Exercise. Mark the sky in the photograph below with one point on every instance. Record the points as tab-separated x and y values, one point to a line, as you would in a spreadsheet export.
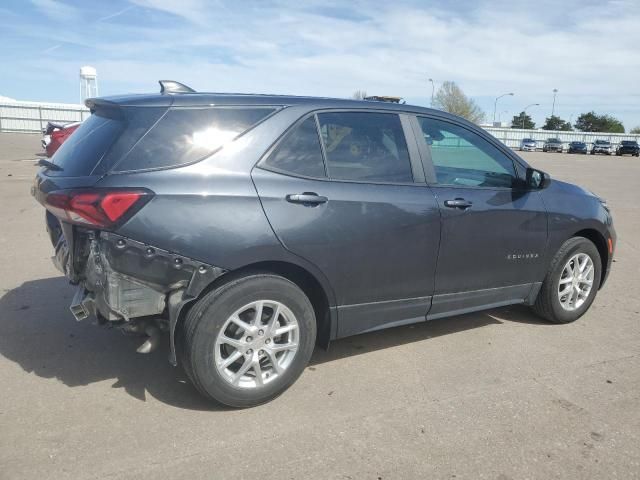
588	50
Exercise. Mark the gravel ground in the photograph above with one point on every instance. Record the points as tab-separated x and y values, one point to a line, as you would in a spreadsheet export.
497	394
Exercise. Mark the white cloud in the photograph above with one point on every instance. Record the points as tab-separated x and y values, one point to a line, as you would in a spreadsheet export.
115	14
56	10
585	49
194	11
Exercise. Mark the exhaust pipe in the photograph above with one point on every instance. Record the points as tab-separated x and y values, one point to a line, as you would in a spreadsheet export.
78	306
152	342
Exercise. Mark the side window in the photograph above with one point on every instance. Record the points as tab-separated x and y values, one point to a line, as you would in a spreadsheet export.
461	157
362	146
185	135
299	152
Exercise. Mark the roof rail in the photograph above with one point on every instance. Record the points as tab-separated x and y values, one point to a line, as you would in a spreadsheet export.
171	86
384	98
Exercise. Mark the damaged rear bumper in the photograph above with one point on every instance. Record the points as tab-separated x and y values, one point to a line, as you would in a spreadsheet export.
123	279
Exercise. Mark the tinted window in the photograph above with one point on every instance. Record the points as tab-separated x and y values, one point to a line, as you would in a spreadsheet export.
137	120
82	151
300	152
461	157
367	147
186	135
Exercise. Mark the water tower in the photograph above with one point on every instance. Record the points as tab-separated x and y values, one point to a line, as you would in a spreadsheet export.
88	83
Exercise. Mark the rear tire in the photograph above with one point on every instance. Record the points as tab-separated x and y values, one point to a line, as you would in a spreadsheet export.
238	323
552	303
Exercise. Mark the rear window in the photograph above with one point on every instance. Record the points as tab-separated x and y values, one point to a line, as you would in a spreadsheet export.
82	151
186	135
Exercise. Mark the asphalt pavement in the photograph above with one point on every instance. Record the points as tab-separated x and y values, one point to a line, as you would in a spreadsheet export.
496	395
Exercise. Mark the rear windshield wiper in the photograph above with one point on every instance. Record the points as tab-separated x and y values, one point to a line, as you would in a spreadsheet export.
50	165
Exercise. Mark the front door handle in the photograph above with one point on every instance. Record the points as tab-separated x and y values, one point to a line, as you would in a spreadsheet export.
458	203
307	198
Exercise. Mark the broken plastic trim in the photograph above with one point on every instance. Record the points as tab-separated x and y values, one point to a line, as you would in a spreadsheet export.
127	279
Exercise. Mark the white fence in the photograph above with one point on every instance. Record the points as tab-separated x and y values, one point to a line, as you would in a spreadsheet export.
32	117
512	137
29	117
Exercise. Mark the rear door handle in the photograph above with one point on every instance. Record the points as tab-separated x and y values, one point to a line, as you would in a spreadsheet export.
458	203
307	198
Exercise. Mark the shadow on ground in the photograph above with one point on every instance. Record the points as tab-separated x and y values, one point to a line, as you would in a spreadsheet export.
38	333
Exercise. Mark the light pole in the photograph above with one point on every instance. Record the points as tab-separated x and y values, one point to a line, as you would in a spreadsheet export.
433	88
553	107
524	112
495	104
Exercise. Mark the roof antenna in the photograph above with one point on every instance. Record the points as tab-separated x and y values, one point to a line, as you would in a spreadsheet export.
171	86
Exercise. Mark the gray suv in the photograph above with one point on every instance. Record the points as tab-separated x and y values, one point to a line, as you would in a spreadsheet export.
250	228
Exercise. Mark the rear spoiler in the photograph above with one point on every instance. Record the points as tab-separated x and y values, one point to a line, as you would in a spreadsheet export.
107	108
114	104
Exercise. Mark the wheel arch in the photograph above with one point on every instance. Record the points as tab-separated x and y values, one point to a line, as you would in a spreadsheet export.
600	242
313	288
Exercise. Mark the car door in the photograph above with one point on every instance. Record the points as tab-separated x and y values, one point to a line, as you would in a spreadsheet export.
353	201
494	229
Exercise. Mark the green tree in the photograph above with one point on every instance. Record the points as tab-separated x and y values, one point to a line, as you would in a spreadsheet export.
592	122
452	99
635	130
523	120
556	123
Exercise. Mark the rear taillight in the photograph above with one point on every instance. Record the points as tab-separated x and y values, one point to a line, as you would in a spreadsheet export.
100	208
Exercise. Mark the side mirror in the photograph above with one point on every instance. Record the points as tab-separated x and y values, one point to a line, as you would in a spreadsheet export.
537	179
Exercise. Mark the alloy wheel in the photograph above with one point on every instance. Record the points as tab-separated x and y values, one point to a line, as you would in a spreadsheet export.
257	344
576	281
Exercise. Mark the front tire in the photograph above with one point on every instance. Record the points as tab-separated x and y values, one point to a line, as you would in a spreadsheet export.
247	341
571	283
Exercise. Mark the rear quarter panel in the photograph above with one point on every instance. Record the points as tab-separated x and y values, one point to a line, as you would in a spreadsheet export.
210	211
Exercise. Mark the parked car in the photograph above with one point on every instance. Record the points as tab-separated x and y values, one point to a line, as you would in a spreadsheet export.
46	132
55	134
528	144
602	146
552	145
253	227
578	147
628	147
